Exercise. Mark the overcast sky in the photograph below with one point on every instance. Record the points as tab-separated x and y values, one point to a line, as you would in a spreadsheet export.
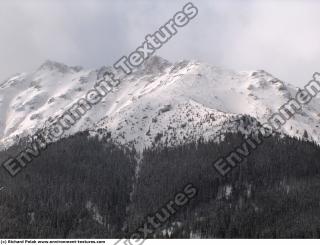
281	36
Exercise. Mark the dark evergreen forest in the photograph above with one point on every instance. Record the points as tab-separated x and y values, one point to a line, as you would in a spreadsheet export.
83	187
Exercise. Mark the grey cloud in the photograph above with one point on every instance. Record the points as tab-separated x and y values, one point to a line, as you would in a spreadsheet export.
278	36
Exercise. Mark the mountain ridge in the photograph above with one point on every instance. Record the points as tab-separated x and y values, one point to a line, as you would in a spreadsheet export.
161	102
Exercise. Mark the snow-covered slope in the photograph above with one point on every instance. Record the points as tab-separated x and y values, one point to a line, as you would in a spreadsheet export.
159	103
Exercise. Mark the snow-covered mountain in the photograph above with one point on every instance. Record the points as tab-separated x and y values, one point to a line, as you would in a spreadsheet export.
159	103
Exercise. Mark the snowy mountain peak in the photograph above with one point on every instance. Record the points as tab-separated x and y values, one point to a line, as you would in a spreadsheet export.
155	64
50	65
160	103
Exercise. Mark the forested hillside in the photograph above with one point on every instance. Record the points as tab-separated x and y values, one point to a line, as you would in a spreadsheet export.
81	187
78	187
